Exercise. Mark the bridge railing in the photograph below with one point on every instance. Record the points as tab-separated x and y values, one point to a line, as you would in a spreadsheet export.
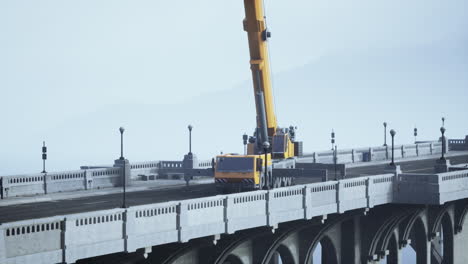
43	183
72	237
375	153
458	144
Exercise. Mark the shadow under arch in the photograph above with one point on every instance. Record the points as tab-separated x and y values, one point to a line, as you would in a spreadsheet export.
420	245
233	259
285	254
447	238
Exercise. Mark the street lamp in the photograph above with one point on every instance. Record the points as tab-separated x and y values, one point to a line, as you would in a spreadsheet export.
124	203
392	133
266	146
335	159
442	130
121	129
415	134
190	127
443	121
44	156
245	138
385	134
333	139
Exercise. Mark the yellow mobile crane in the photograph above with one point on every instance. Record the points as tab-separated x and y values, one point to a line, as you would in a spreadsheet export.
270	147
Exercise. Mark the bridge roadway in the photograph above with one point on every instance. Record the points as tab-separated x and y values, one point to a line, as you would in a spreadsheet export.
94	203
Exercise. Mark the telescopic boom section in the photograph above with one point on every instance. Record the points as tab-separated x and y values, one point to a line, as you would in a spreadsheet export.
254	24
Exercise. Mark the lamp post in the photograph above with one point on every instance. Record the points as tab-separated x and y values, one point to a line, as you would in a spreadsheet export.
124	203
190	127
335	159
393	133
266	146
385	134
333	139
245	138
44	156
415	134
442	130
443	121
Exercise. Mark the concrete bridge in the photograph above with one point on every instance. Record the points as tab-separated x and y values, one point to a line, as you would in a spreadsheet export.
377	214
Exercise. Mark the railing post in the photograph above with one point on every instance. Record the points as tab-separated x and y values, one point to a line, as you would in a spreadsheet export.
402	151
47	181
182	210
88	177
369	184
431	148
125	229
339	186
314	157
417	150
352	155
63	240
228	206
371	152
307	203
2	246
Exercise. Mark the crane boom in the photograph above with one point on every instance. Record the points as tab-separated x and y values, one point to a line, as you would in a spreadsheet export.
255	26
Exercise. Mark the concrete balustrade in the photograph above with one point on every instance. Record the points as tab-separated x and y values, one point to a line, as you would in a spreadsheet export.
90	177
72	237
375	153
43	183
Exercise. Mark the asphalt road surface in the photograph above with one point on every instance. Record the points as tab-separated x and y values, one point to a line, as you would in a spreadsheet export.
101	202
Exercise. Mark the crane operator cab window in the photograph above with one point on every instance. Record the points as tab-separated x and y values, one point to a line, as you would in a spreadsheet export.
232	164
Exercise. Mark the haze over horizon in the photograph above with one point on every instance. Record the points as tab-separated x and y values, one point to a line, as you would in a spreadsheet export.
72	73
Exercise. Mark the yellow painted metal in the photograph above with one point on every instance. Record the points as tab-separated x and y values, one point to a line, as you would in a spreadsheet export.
237	176
254	24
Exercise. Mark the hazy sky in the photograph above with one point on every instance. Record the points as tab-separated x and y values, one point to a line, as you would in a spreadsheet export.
72	72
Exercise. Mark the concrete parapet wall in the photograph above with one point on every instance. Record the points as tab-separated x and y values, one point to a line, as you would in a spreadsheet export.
43	183
375	153
84	235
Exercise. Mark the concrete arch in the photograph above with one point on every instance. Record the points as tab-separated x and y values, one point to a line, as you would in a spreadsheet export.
393	247
421	244
322	238
233	259
228	251
329	253
380	240
460	219
408	227
285	254
438	219
447	237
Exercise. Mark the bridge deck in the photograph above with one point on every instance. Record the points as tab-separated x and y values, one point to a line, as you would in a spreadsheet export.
95	203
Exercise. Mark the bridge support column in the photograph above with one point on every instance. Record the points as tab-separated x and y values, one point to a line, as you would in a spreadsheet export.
460	241
2	246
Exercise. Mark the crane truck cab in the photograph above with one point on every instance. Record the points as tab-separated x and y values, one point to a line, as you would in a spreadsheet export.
241	172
